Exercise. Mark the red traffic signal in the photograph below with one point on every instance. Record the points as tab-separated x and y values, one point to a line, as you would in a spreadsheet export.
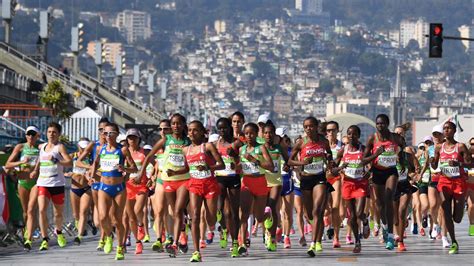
436	40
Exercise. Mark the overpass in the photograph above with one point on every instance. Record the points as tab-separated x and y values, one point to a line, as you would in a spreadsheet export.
114	105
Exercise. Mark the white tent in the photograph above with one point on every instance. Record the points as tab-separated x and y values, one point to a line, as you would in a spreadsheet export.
83	123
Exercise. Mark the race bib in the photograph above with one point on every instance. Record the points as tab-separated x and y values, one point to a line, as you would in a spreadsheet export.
355	173
48	169
176	159
195	173
450	171
425	178
387	161
109	162
228	161
276	166
250	168
316	167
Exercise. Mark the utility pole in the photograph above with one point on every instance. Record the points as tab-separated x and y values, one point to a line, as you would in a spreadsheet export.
8	12
76	45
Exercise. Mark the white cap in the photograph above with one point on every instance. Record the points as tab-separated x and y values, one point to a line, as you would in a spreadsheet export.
35	129
428	138
421	144
281	131
121	137
83	143
213	137
437	128
263	118
147	147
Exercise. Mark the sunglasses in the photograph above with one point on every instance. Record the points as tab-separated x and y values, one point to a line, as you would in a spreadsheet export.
31	133
101	129
109	133
472	144
163	128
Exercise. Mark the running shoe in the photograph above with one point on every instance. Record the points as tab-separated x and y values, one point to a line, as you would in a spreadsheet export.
366	230
376	230
140	233
128	241
436	231
146	239
183	243
196	257
292	231
415	229
287	242
27	245
349	240
272	246
25	234
44	245
202	244
424	222
210	237
268	223
168	241
336	244
247	242
242	250
100	247
157	246
219	216
454	249
318	247
390	243
235	250
139	248
61	240
108	244
302	241
77	240
93	227
330	233
422	232
119	254
471	230
446	243
223	238
36	234
401	247
357	248
312	250
384	235
279	234
372	224
172	250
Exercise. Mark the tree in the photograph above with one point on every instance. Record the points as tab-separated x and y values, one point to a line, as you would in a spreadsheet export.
326	85
55	98
306	44
262	69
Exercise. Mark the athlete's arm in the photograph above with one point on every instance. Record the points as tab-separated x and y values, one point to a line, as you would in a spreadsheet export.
368	156
12	159
83	155
66	159
267	159
217	157
466	156
435	160
158	145
294	153
131	166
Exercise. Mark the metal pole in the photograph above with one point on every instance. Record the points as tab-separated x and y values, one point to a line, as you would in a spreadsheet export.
75	63
8	29
99	76
119	84
45	52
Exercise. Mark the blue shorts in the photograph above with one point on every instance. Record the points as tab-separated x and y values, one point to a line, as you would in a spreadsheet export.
112	190
288	185
96	186
80	191
297	191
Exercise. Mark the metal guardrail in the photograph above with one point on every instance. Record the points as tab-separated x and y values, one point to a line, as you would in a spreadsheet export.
75	82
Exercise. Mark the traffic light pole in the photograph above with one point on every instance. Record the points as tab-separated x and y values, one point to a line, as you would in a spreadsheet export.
454	38
8	30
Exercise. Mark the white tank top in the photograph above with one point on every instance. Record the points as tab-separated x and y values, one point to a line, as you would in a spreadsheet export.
51	173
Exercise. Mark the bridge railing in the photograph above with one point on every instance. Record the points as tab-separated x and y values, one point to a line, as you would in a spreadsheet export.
75	82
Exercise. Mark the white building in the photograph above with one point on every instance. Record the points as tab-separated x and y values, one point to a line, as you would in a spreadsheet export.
134	25
309	6
413	30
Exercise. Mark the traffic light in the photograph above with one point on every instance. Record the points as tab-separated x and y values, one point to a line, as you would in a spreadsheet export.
120	64
100	52
436	40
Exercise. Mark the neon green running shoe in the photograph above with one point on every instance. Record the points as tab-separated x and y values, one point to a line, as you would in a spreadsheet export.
109	242
27	245
312	250
44	245
371	225
268	223
223	240
146	239
272	246
318	247
454	248
471	230
196	257
157	246
25	234
219	216
235	249
61	240
119	255
101	245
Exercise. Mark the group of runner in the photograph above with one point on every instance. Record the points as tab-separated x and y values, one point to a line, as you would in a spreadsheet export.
245	177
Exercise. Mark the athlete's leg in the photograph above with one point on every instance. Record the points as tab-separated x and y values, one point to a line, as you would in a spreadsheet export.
85	204
31	211
195	204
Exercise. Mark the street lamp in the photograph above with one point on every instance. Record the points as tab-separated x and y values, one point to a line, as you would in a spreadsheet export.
120	69
8	12
77	34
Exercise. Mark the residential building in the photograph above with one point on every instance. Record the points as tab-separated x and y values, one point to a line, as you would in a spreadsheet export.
413	30
134	25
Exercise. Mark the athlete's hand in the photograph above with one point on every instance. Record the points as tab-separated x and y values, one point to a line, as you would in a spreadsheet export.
308	160
33	174
232	166
286	167
137	180
379	150
150	183
202	168
120	168
250	158
453	163
25	160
